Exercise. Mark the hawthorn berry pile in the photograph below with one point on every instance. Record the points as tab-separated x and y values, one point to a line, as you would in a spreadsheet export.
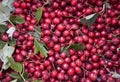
61	41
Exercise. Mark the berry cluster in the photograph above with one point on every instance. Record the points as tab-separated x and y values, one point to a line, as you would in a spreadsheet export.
61	26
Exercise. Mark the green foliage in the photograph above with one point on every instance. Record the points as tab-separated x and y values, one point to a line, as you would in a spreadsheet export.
77	47
15	75
17	19
39	47
90	19
3	28
12	42
38	14
18	67
2	44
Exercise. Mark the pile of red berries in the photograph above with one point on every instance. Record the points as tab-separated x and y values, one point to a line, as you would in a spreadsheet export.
60	26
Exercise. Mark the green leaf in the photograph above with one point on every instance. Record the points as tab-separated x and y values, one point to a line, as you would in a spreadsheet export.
38	81
18	67
7	51
38	14
15	75
77	47
39	47
12	18
12	62
65	50
2	44
17	19
3	28
90	19
4	13
12	42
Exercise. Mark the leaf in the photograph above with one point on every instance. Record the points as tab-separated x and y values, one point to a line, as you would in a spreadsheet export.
115	75
65	50
4	13
10	31
77	47
25	75
17	19
38	14
18	67
2	44
90	19
15	75
12	19
8	3
73	46
12	42
39	47
12	62
15	80
3	28
38	81
7	51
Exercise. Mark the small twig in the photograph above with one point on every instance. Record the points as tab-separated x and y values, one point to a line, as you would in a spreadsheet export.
37	31
53	66
84	69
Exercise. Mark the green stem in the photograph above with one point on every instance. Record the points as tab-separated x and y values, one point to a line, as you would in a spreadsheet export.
22	77
11	23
